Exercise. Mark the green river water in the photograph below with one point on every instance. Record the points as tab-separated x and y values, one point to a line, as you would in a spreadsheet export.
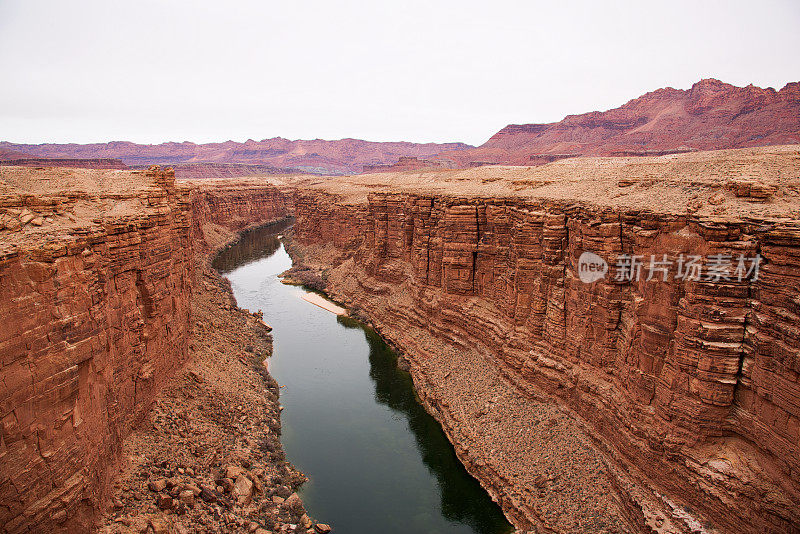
376	461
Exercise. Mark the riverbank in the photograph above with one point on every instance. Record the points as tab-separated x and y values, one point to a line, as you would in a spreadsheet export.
208	457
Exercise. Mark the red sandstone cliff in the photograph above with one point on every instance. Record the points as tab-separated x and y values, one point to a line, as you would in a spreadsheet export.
310	156
711	115
95	311
689	390
232	205
95	271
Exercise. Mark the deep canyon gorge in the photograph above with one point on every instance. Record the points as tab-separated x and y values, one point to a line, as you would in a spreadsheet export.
659	405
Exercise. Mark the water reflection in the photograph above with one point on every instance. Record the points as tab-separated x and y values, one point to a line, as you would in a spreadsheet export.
462	497
376	461
253	244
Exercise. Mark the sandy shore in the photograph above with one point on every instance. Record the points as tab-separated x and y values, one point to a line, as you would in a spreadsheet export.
324	303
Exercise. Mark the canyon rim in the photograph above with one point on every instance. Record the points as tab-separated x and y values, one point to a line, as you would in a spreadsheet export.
302	268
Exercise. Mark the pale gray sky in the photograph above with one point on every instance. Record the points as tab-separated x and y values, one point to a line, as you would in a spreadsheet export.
147	71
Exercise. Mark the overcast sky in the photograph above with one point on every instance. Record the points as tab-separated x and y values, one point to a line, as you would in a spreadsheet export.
409	70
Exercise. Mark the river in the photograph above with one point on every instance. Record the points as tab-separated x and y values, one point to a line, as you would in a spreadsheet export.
375	459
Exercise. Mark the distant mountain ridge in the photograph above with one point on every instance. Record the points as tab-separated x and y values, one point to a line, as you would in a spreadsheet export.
711	115
7	154
343	156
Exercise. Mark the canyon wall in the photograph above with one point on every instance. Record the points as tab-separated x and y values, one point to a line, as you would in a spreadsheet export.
692	384
96	276
220	207
94	320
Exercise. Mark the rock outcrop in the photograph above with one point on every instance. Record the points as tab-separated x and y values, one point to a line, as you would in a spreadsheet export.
687	390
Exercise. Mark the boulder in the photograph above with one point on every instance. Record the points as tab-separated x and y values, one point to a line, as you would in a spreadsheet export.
242	489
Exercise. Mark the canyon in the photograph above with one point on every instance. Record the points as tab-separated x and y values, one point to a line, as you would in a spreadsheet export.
660	405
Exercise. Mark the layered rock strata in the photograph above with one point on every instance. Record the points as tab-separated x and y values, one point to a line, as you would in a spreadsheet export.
686	392
232	205
711	115
95	270
95	315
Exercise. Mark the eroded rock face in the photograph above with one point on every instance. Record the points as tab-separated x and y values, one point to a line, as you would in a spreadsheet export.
231	205
692	383
91	326
236	205
95	315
